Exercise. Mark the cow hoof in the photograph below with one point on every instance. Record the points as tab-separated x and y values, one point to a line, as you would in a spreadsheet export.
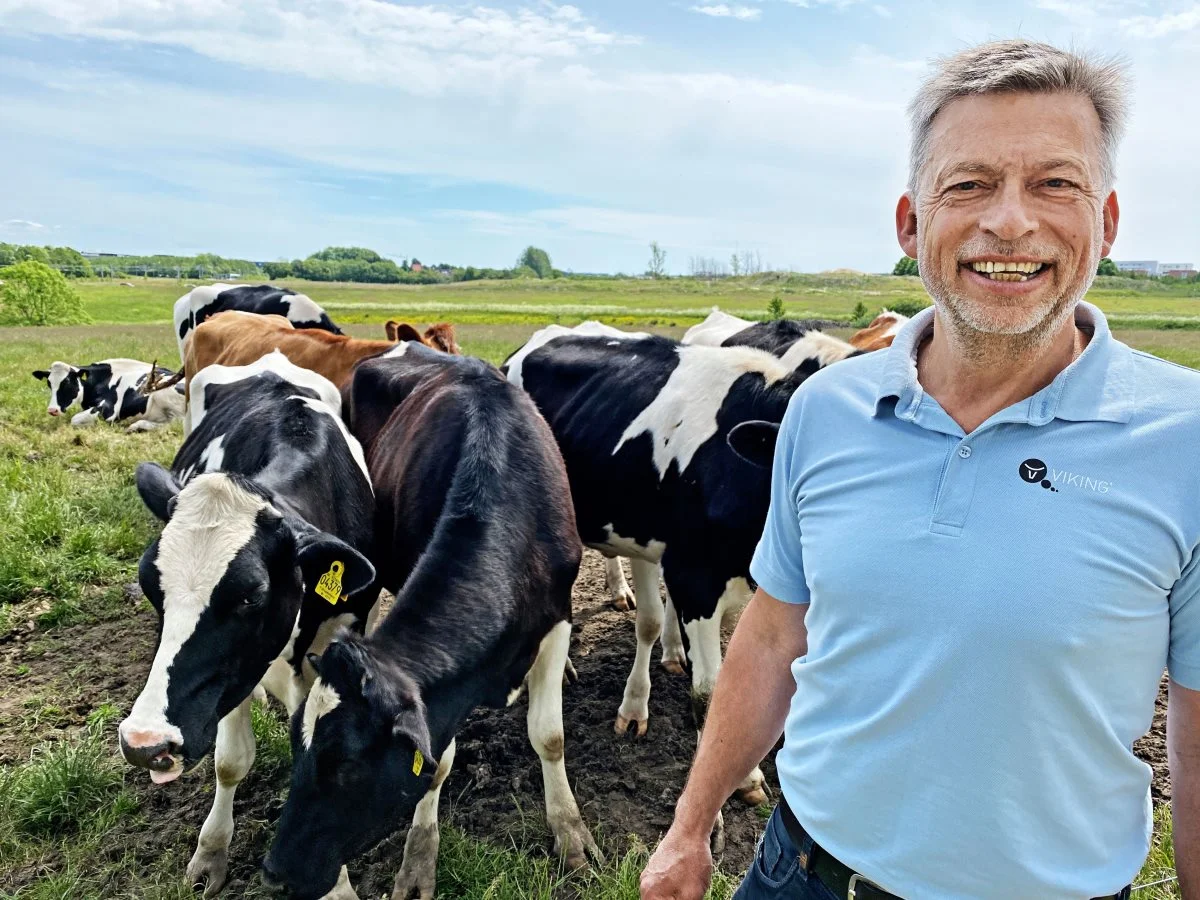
674	666
624	600
417	879
716	840
622	726
575	846
208	868
755	796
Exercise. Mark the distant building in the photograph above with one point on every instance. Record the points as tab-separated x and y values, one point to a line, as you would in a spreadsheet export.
417	267
1154	267
1176	270
1142	266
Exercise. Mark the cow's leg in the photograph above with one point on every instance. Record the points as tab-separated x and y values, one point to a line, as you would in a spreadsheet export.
704	642
342	890
635	705
232	760
143	425
418	872
572	841
618	588
87	417
674	657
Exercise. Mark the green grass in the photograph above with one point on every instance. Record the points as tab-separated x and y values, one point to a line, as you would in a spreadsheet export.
675	301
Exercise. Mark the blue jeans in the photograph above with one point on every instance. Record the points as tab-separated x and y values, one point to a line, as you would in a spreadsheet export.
776	873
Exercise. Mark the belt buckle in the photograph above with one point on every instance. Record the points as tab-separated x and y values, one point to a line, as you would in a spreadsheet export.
855	881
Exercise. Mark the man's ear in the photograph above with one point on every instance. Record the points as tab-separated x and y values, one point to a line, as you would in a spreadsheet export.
906	224
331	567
1112	217
158	488
41	375
754	442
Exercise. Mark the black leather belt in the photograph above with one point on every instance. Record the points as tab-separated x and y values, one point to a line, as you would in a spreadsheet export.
841	880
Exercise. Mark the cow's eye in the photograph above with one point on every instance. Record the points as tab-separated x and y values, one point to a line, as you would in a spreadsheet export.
255	598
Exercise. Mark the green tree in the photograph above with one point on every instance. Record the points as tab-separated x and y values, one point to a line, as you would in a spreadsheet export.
906	266
775	309
279	269
1107	267
35	294
658	261
859	316
538	260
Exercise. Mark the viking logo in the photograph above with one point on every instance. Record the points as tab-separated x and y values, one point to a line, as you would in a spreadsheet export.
1034	471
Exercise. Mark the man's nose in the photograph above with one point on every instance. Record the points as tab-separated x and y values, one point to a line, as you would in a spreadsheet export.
1009	216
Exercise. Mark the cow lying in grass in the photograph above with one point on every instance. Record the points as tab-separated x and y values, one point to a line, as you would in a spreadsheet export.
268	511
111	390
476	537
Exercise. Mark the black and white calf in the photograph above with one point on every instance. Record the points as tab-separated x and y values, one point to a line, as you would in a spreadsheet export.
265	299
268	511
111	390
643	424
476	536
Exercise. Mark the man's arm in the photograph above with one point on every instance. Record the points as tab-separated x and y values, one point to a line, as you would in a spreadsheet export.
749	705
1183	751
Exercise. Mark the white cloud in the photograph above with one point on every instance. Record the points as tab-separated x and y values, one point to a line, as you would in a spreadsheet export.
22	225
1165	25
720	10
421	49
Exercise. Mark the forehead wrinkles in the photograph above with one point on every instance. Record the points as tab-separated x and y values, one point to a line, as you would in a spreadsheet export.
213	520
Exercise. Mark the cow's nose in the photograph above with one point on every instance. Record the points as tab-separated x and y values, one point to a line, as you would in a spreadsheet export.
148	750
54	411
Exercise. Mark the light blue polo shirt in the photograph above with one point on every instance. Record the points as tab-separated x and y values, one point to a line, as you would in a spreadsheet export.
990	616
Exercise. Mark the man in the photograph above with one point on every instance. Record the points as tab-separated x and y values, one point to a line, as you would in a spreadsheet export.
981	550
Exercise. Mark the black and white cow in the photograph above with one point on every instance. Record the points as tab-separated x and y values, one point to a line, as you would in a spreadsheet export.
111	390
476	536
268	510
207	300
643	423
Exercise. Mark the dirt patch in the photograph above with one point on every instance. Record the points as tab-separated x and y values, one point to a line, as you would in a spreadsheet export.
625	786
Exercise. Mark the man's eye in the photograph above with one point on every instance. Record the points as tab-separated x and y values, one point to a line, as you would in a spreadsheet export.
964	186
1057	183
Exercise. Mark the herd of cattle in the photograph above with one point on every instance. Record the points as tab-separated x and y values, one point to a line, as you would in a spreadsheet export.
318	469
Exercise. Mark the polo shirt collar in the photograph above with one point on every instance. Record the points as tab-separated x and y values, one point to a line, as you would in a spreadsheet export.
1096	387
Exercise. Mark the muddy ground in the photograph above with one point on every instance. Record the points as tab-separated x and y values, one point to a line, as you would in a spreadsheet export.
625	786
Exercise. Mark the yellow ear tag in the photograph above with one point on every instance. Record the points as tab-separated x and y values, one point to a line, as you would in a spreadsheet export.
330	584
418	762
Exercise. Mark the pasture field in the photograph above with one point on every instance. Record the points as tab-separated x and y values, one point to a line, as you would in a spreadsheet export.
631	301
76	639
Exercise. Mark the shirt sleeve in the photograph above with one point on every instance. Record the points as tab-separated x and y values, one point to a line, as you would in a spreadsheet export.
1183	658
778	564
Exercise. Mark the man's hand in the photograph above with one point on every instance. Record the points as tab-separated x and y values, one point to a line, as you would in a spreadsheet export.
680	869
1183	749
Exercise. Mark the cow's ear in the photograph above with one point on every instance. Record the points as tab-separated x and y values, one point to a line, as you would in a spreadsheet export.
158	489
441	336
389	328
410	732
331	567
405	332
41	375
754	442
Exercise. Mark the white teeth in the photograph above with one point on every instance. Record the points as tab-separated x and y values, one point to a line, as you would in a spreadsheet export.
1007	271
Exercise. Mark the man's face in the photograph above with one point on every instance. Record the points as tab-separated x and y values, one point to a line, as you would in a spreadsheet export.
1011	181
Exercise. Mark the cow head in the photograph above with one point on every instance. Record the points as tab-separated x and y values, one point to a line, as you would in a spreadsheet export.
362	760
439	336
227	576
880	333
66	386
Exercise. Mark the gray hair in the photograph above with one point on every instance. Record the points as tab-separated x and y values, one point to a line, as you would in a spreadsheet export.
1016	66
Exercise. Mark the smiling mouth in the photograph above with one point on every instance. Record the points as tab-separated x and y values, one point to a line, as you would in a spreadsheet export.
1008	271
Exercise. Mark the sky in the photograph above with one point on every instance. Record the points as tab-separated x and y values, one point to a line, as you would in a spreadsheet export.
268	129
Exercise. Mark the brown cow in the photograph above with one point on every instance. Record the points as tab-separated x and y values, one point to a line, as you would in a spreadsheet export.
880	333
439	336
236	338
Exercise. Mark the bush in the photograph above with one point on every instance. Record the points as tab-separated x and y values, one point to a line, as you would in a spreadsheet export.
35	294
1107	267
906	266
908	307
775	309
